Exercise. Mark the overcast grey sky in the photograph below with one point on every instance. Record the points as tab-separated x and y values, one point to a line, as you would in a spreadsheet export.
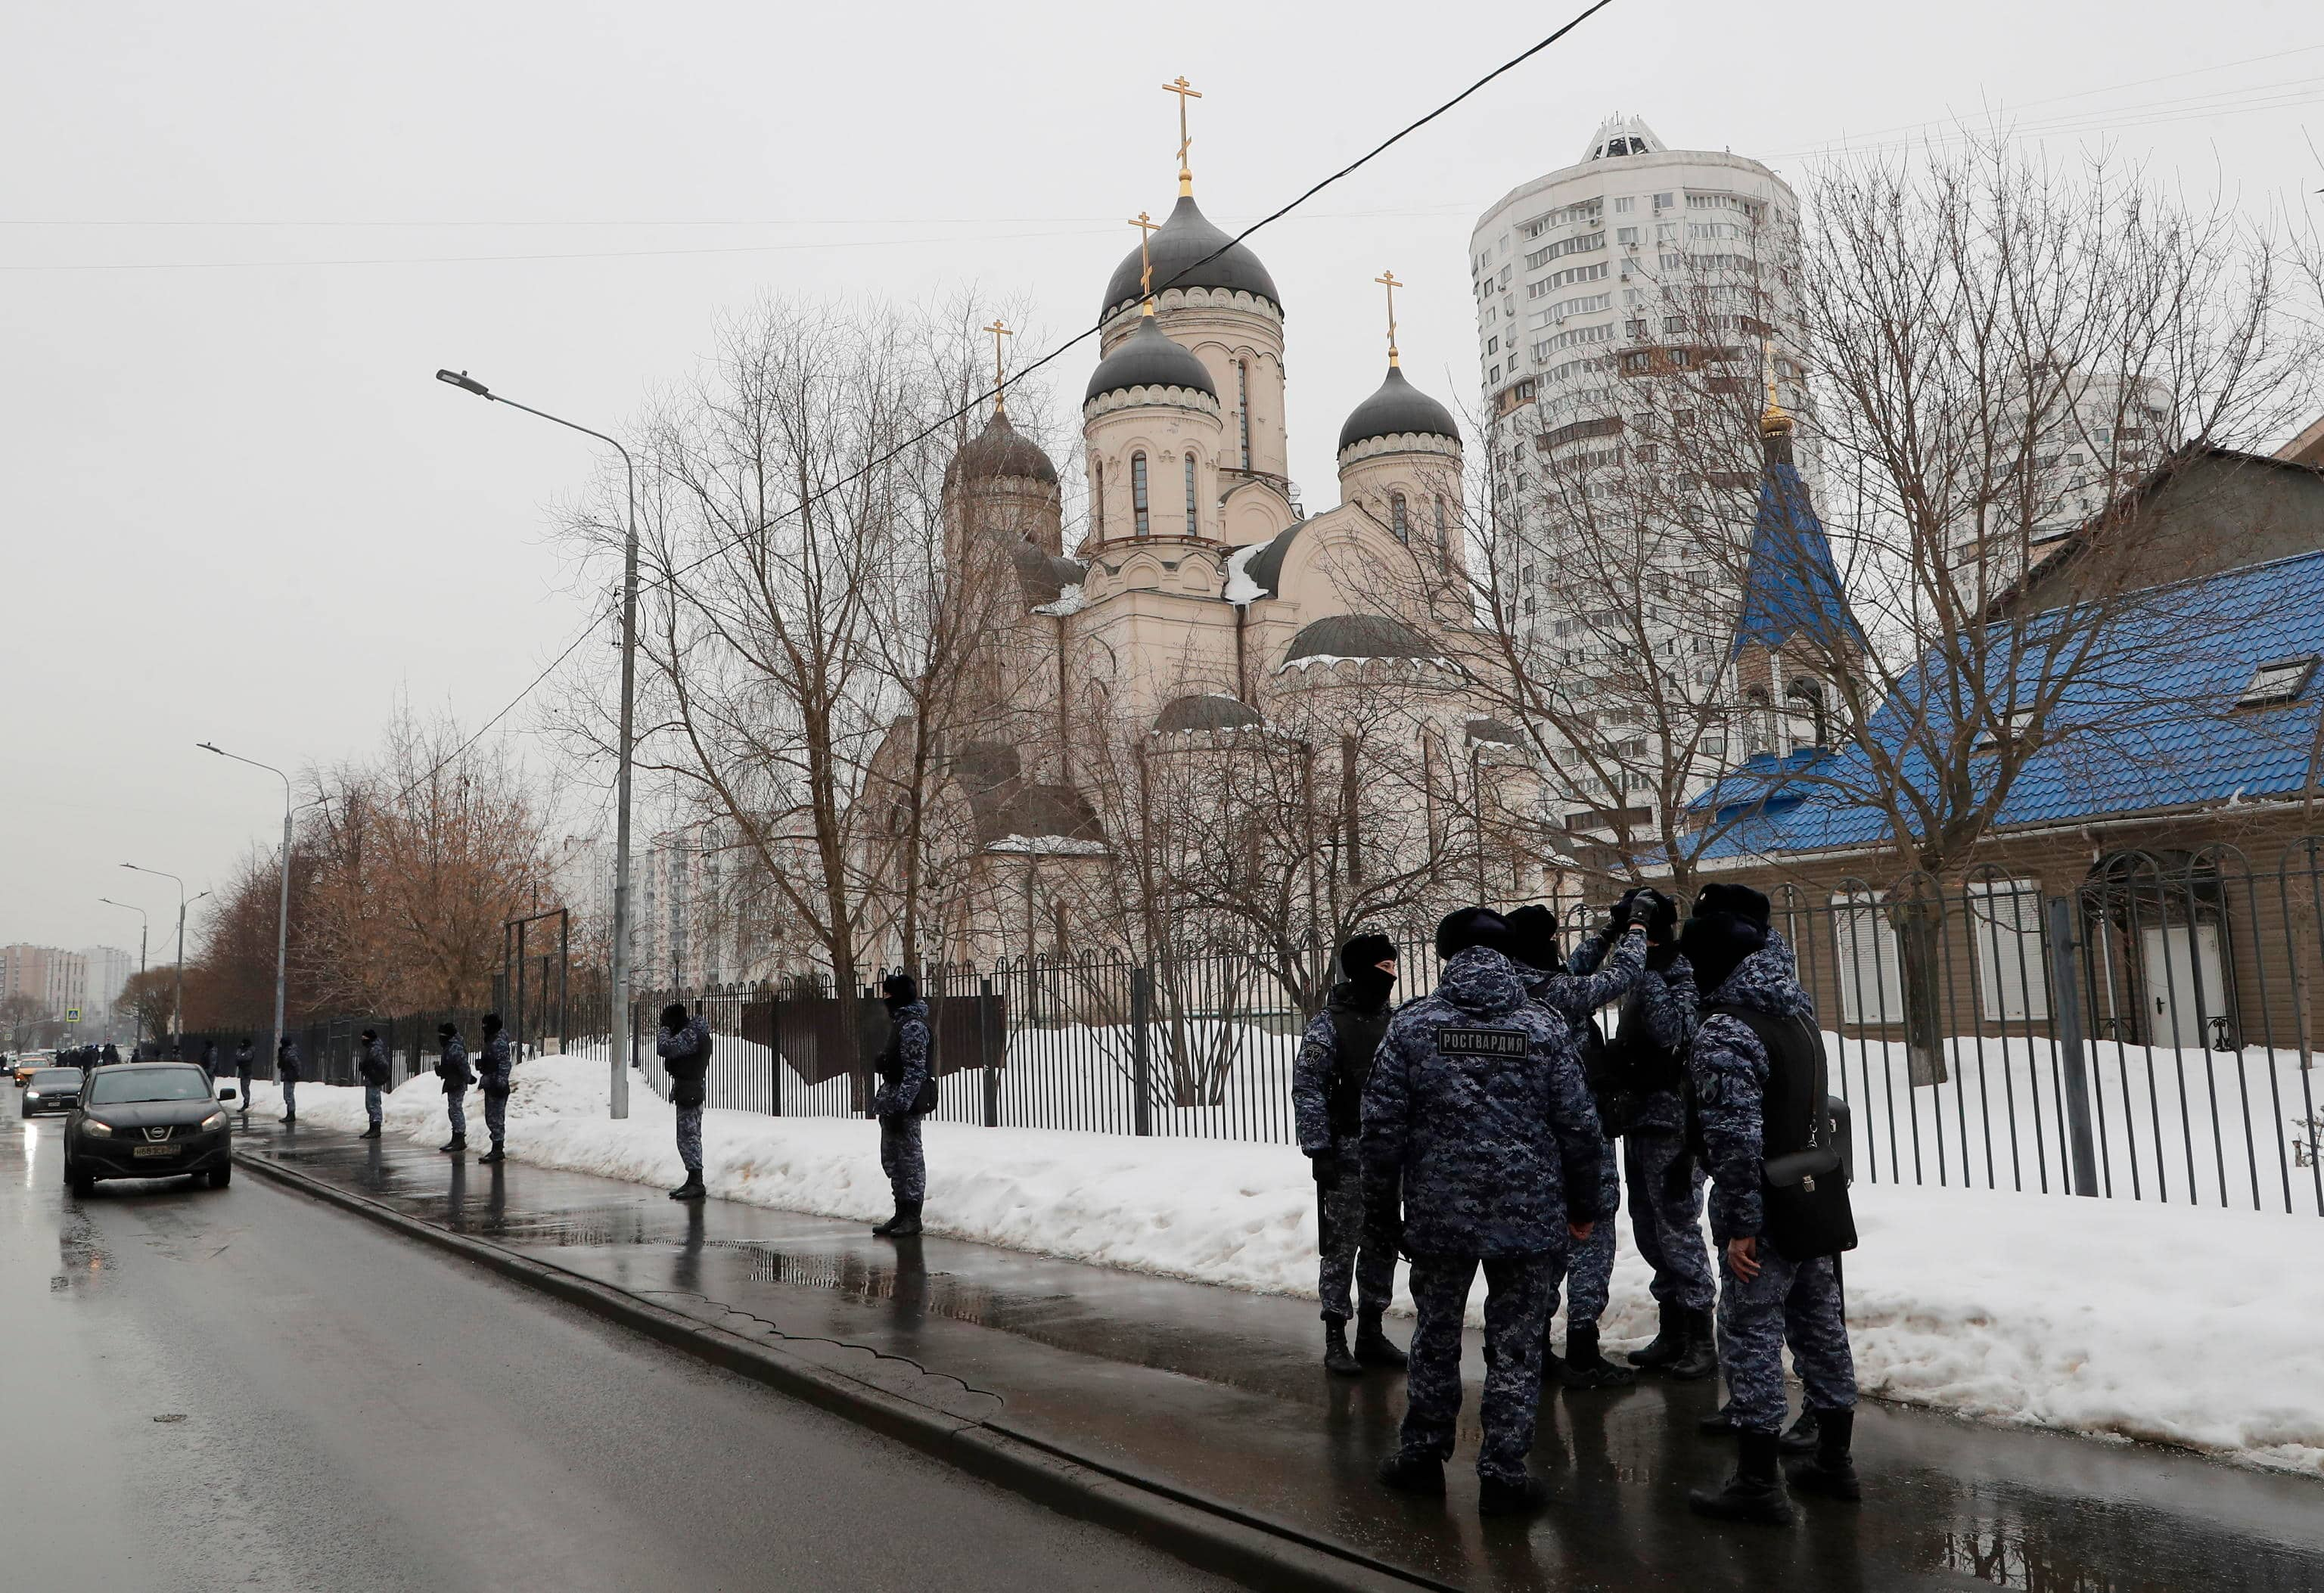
237	238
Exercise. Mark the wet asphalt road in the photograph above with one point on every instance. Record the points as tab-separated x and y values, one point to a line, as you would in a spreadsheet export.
245	1388
1219	1394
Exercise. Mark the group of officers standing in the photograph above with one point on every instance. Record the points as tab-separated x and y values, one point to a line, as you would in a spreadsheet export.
1476	1127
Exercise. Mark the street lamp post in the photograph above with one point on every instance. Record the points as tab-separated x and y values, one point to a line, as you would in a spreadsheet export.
282	906
145	924
618	1024
178	1003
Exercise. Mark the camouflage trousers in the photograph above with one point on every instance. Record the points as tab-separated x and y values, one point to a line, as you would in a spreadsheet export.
901	1158
1794	1302
242	1080
290	1098
455	1107
689	1139
496	1117
1340	1240
1519	1293
1589	1271
371	1103
1667	1222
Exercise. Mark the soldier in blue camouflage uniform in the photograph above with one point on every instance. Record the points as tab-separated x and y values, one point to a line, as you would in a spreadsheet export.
286	1069
241	1072
452	1067
1764	1300
684	1047
903	1073
1327	1092
1478	1125
1602	969
375	1072
492	1066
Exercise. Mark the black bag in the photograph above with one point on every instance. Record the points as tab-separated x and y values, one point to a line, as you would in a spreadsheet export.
1617	1103
925	1102
1802	1191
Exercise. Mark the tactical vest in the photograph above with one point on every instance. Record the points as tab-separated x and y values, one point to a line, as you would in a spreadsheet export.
891	1064
1634	1060
1806	1161
1355	1040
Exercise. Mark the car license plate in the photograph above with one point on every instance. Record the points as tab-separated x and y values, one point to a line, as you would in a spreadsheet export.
153	1150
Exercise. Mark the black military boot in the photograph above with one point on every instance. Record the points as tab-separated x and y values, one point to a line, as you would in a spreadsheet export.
1583	1367
691	1190
455	1144
1831	1471
905	1222
1700	1360
1373	1347
1720	1423
1336	1358
1754	1492
495	1155
1410	1473
1800	1437
1670	1340
370	1133
1511	1495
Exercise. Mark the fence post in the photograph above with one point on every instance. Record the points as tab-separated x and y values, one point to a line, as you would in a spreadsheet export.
2065	977
1141	1049
984	1053
775	1056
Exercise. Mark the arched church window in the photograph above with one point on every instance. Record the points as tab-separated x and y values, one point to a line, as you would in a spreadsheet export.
1097	498
1443	535
1398	519
1243	406
1138	494
1194	508
1808	693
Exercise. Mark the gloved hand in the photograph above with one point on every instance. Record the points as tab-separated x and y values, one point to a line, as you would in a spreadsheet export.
1646	904
1622	915
1324	1165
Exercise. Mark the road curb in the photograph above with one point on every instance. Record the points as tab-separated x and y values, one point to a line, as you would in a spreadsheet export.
1204	1534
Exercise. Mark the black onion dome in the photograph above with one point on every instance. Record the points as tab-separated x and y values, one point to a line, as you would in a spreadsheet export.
1206	711
1360	636
1148	358
1001	450
1181	248
1265	568
1398	407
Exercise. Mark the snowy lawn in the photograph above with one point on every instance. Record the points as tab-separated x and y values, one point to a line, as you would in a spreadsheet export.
2189	1327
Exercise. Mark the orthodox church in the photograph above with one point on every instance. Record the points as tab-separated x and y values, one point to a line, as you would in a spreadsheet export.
1198	599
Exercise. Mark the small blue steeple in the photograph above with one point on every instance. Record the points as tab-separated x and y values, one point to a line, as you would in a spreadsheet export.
1791	587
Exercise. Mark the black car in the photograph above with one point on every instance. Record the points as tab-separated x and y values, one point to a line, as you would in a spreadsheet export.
52	1089
148	1120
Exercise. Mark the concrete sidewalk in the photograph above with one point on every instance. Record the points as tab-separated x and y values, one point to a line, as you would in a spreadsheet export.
1218	1399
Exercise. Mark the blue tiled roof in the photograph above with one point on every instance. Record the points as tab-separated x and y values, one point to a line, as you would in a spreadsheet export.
1792	588
2147	718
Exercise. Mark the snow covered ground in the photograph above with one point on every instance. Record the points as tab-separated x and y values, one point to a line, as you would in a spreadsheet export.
2112	1318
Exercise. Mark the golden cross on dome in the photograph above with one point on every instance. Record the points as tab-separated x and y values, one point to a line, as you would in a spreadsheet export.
1772	418
1000	374
1145	225
1386	279
1184	91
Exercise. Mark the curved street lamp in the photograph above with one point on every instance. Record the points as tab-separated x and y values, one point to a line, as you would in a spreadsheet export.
177	1016
144	925
282	906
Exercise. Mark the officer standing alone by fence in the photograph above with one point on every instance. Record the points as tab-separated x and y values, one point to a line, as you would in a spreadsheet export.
241	1072
684	1047
493	1066
1478	1124
375	1073
452	1067
1778	1210
907	1091
1327	1095
286	1068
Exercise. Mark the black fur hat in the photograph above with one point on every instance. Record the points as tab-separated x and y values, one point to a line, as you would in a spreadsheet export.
1533	937
1739	899
1660	918
445	1031
491	1023
1715	945
899	990
1465	927
1365	953
673	1016
370	1034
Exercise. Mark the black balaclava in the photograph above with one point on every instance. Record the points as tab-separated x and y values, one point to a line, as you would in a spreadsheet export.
1464	927
492	1024
1715	945
1533	937
1360	961
445	1031
673	1016
898	990
371	1034
1739	899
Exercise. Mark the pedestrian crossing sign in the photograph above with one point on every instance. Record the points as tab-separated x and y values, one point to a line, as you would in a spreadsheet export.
72	1015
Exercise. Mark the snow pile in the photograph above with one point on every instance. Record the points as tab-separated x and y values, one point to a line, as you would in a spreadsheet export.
1069	600
2177	1325
1240	588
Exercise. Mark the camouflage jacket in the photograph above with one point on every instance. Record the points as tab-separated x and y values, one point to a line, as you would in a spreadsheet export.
1584	986
1727	1068
493	1063
1477	1115
904	1065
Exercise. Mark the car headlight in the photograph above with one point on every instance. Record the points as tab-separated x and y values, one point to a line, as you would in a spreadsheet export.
216	1119
32	1095
92	1127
